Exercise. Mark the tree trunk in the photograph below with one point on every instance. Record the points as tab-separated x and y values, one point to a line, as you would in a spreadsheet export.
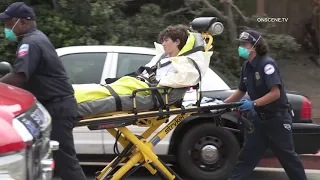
232	26
260	8
55	5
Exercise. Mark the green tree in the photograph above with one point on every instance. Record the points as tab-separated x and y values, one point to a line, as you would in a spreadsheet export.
137	23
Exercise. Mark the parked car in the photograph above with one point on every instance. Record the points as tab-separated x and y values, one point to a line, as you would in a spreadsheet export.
200	148
25	146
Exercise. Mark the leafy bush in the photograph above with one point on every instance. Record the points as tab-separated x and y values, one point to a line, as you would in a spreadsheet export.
282	46
137	23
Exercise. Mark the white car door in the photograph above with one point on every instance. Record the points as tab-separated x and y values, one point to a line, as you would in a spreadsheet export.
83	68
120	65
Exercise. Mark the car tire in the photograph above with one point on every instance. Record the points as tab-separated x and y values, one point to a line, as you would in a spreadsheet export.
207	138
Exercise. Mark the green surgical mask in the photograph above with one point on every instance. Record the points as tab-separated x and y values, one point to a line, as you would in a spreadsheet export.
10	35
243	52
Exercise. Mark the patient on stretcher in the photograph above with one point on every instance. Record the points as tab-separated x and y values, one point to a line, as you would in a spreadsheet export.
179	63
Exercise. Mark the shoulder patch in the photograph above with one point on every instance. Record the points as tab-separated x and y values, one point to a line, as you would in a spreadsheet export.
23	50
269	69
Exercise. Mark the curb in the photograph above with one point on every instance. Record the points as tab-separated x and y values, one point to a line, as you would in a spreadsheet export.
309	161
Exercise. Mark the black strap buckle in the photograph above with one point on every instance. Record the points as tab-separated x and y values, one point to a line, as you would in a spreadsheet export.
140	79
152	77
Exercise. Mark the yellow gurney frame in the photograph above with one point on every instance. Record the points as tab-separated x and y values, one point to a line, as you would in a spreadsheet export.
137	149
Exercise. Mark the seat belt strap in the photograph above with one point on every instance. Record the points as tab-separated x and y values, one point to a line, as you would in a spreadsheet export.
193	50
157	95
200	78
116	97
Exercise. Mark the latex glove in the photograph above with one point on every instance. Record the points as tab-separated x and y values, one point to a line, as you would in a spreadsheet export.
247	105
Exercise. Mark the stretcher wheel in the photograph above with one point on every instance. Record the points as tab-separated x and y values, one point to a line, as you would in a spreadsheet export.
214	152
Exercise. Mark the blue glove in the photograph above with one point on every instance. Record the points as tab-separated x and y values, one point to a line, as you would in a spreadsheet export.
247	105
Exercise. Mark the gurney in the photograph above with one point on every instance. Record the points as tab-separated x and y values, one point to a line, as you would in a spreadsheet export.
137	149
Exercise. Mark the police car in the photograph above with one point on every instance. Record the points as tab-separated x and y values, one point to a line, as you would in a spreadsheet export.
214	148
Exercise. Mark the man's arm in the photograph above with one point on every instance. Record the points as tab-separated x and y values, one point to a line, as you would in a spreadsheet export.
28	59
14	79
236	96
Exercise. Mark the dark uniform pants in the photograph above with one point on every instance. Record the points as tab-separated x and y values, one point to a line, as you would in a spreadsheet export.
63	122
275	134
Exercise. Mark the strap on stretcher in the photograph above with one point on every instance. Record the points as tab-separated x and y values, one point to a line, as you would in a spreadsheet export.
116	97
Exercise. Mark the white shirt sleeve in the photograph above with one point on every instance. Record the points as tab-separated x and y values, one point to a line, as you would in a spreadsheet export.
184	73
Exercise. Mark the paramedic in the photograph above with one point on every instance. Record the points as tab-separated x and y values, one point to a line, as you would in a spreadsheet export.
260	77
38	69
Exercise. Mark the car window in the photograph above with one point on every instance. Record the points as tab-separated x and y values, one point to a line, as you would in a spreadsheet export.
128	63
84	68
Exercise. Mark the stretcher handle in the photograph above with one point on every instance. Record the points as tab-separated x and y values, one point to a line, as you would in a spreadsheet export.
134	92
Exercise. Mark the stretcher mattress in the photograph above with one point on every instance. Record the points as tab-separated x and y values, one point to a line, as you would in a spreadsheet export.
108	104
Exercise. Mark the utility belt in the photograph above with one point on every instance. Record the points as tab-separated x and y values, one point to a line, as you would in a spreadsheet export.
269	115
55	99
280	111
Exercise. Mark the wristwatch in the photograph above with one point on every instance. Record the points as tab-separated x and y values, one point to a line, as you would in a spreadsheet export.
254	104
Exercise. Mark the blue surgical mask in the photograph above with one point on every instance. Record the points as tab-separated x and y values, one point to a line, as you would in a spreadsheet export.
10	35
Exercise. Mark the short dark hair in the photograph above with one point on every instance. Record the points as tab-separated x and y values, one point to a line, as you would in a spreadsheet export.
175	32
261	47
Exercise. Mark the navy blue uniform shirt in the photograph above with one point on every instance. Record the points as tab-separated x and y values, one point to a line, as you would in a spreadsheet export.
45	74
258	77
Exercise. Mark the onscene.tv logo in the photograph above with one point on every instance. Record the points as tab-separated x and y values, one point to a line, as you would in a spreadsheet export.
272	20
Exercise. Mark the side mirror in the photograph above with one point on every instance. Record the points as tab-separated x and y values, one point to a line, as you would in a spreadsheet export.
5	68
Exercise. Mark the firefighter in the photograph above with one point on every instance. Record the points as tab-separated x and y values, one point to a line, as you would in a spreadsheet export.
260	78
38	69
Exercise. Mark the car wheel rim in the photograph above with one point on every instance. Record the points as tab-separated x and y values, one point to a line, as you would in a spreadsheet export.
209	153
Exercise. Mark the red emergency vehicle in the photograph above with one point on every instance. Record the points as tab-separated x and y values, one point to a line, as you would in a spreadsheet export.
25	146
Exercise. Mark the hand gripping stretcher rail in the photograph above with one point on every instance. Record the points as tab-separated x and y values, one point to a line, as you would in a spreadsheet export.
136	148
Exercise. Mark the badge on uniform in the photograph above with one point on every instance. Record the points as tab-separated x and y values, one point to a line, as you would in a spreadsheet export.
269	69
257	76
23	50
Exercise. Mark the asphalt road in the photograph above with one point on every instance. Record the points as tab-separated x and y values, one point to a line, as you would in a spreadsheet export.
258	174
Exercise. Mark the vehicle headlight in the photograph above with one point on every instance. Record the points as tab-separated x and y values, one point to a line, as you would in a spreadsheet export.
36	120
22	130
41	116
13	166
